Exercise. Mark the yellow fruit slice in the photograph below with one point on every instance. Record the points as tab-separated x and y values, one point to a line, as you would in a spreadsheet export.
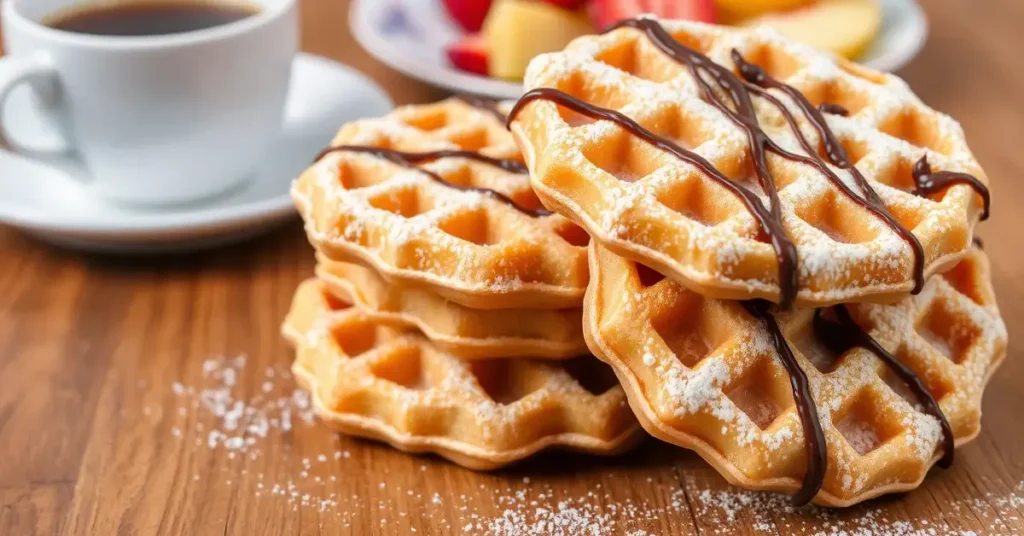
517	30
732	10
845	27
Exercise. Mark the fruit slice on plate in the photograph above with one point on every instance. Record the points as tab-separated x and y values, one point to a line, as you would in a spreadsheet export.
469	54
518	30
604	13
732	10
845	27
469	14
568	4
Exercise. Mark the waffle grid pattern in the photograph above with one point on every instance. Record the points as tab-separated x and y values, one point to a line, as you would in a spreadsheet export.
649	206
459	330
374	381
469	247
703	374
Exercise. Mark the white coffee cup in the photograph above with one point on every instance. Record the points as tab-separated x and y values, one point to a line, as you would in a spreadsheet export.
157	119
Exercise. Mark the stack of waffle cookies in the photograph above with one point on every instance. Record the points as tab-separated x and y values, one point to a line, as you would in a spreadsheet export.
770	248
446	311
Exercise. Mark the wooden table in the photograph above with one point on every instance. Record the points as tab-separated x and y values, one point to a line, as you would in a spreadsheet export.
103	362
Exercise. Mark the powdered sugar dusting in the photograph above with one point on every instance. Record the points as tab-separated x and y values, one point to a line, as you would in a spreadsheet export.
859	434
843	249
769	513
249	423
412	226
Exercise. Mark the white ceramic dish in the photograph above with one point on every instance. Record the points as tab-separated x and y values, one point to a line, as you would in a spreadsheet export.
411	36
47	203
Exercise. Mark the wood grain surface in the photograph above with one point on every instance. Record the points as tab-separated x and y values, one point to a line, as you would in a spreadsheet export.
111	384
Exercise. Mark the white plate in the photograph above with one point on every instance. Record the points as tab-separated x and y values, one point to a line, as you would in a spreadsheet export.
411	36
48	203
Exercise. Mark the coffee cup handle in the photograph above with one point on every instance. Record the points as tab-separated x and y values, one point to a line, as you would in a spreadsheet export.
37	71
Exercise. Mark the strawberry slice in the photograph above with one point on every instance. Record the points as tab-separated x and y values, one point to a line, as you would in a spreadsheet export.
470	14
469	54
568	4
605	13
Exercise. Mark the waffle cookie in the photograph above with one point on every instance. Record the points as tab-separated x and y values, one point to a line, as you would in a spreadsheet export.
744	166
371	380
703	373
436	196
456	329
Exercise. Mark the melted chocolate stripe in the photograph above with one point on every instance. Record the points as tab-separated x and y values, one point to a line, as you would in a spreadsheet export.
844	333
929	182
409	160
834	109
814	436
746	118
836	154
784	248
512	166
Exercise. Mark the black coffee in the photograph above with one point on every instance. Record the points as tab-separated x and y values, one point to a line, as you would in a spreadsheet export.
150	17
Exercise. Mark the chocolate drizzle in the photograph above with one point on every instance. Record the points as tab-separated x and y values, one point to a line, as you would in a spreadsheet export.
742	113
744	116
409	160
769	222
843	333
814	436
834	109
929	182
836	154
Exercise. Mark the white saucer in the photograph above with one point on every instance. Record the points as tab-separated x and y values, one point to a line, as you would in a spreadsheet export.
411	36
45	202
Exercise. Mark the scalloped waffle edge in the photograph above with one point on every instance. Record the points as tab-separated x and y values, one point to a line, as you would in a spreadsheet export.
441	406
465	245
734	405
464	332
694	230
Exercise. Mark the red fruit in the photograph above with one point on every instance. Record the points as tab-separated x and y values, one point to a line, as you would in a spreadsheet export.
604	13
469	54
470	14
568	4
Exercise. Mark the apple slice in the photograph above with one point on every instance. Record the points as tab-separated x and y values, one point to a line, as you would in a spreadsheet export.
844	27
568	4
469	54
518	30
734	10
470	14
605	13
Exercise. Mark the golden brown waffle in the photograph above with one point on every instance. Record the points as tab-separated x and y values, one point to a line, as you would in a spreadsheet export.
375	381
648	205
703	374
456	329
467	246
